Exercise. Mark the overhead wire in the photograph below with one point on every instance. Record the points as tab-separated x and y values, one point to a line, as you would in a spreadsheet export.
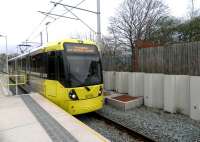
54	19
69	9
80	20
33	31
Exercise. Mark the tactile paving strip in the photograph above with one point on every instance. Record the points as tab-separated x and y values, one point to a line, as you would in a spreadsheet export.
55	131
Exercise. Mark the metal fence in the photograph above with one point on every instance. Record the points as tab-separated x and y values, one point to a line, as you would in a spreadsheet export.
183	58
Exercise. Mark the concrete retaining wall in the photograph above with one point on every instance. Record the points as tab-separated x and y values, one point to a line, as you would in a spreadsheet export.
121	82
153	90
195	97
117	82
173	93
109	80
176	94
136	84
183	91
170	93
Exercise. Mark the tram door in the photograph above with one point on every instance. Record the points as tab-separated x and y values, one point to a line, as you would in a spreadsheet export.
51	83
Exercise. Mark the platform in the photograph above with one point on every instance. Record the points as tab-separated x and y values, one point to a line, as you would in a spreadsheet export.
33	118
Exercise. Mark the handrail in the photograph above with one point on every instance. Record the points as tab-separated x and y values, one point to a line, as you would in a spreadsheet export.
18	80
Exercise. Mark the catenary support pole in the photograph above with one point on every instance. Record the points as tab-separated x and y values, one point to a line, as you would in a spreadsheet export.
41	39
98	22
6	38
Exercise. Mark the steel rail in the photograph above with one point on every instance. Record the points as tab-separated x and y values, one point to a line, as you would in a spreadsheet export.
131	131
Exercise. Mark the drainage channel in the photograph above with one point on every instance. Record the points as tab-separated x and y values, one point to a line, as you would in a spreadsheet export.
55	131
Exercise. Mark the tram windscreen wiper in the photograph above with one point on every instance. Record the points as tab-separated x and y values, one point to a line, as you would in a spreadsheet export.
72	75
87	88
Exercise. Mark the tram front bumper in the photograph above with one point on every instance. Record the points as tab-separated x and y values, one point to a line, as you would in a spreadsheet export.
85	106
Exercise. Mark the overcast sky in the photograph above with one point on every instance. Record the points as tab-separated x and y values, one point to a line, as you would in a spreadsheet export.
20	17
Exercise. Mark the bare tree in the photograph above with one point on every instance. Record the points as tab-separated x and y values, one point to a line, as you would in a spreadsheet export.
136	20
111	50
193	11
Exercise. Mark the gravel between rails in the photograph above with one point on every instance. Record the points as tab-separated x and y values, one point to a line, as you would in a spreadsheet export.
155	124
111	131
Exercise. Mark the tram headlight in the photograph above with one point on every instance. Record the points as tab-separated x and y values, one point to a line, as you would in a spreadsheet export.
100	91
73	95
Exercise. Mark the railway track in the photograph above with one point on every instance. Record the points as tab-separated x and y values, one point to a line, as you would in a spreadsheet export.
110	129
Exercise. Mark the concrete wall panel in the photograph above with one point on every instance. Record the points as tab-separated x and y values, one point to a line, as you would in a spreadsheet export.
136	84
170	93
195	97
121	82
153	90
183	94
117	78
176	94
109	80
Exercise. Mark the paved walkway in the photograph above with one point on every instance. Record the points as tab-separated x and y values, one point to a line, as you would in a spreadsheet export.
17	123
31	118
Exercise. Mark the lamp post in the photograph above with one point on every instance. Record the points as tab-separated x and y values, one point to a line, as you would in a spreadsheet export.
47	23
5	36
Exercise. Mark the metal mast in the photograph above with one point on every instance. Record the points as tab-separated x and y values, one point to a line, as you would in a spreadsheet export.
98	22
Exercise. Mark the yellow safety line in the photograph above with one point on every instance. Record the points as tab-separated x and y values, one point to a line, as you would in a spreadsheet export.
76	121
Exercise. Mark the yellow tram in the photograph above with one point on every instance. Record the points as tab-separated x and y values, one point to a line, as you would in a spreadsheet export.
67	72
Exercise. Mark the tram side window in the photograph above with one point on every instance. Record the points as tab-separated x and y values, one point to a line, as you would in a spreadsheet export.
36	63
11	67
51	65
44	64
17	64
39	66
27	63
61	68
24	64
33	64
